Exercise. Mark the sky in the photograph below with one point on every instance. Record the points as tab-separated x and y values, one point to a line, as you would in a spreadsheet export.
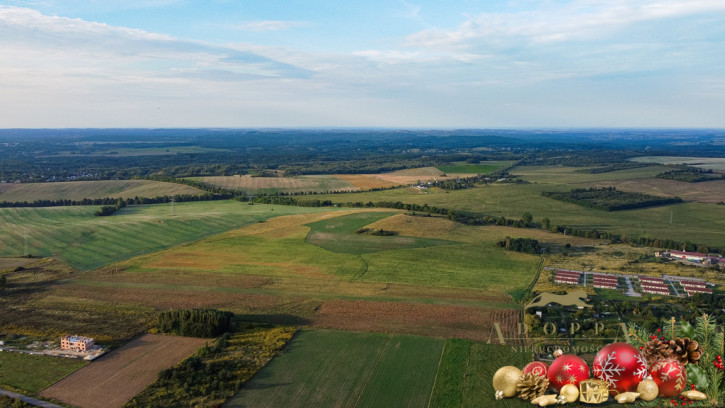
373	63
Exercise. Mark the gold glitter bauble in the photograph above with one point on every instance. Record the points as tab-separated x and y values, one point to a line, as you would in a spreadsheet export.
570	392
505	380
648	390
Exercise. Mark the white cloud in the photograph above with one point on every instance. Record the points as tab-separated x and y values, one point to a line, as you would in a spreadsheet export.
555	22
270	25
69	42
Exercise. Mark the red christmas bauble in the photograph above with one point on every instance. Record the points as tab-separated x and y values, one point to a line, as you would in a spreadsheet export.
622	365
536	368
670	376
567	369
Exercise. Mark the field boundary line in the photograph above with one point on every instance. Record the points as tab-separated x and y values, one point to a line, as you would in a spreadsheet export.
538	275
438	369
379	359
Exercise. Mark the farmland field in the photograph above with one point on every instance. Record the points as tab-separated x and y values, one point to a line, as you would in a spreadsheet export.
344	369
704	191
87	242
31	374
272	185
397	178
78	190
692	221
345	182
268	272
10	262
465	372
116	377
714	163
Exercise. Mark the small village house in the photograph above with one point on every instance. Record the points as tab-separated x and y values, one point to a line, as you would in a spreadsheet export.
76	343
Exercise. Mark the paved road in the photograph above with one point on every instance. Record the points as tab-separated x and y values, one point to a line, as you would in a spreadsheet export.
29	400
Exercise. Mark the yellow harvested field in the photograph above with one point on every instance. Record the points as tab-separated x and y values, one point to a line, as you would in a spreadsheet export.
288	226
397	178
116	377
442	228
705	191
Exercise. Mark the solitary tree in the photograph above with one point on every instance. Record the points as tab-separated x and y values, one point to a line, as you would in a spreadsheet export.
527	218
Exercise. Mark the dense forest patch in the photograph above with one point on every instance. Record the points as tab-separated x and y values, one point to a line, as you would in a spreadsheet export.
610	199
691	174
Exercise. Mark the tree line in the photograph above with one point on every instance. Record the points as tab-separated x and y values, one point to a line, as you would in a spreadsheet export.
690	174
609	198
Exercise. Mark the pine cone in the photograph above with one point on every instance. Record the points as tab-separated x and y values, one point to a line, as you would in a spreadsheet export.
531	386
685	350
655	350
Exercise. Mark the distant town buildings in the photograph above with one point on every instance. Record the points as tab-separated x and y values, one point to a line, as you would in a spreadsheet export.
691	257
76	343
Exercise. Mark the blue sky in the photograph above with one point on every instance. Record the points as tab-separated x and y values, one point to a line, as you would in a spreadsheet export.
413	64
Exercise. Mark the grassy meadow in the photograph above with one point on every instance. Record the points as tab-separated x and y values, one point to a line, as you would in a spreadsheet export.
86	242
30	374
345	369
78	190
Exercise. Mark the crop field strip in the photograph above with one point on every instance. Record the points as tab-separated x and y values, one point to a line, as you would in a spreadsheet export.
96	241
350	370
78	190
272	185
116	377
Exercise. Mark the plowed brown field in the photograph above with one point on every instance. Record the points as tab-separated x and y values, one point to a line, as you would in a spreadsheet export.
115	378
415	318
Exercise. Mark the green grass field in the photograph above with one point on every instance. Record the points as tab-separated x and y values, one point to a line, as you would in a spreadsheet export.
78	190
465	373
87	242
338	235
473	168
465	265
31	374
691	221
323	368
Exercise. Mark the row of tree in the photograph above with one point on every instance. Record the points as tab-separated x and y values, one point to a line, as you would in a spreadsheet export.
111	201
690	174
609	198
